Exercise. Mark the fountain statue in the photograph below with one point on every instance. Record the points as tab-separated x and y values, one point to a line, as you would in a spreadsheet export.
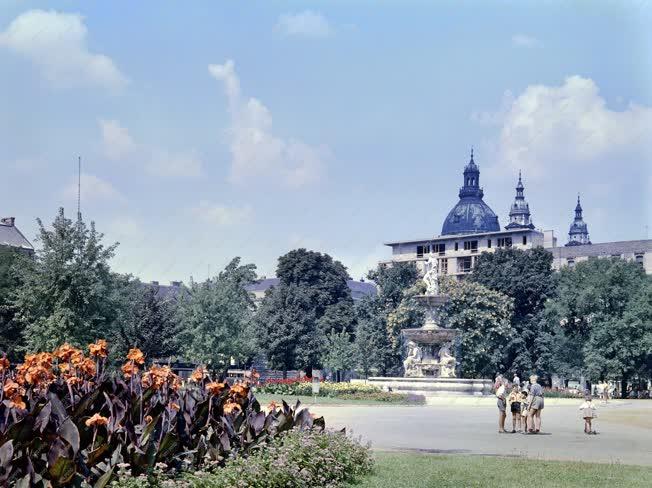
429	346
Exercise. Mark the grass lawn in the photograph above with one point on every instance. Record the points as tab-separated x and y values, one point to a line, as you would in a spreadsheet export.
414	470
264	399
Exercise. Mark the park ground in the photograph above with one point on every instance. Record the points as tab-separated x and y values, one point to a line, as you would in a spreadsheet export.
455	442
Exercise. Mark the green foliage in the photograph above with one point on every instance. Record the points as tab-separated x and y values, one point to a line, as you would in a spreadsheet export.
147	321
67	292
393	280
294	318
528	279
339	351
601	313
11	339
328	389
295	460
483	318
215	315
372	346
69	432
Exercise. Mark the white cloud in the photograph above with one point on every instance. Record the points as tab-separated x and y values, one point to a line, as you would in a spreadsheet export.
565	126
303	24
117	144
255	150
522	40
56	43
218	214
93	188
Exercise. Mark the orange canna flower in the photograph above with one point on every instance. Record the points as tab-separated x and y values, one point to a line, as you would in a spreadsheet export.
64	352
99	349
96	420
129	369
230	408
148	419
272	406
136	355
12	388
77	357
87	367
215	388
4	364
174	406
239	391
17	402
73	380
198	374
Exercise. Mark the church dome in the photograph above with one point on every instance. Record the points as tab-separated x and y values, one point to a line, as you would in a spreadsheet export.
471	214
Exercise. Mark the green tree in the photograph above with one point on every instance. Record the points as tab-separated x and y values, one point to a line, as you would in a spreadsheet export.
392	282
67	293
373	350
600	306
340	352
215	315
483	318
311	299
528	279
286	330
11	339
148	321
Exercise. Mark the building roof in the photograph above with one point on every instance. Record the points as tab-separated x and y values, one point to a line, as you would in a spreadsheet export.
494	233
12	237
358	288
603	249
470	214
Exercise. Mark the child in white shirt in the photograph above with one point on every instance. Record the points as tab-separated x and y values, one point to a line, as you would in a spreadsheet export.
588	409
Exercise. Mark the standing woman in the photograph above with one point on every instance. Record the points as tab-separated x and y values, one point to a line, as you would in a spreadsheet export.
502	404
534	415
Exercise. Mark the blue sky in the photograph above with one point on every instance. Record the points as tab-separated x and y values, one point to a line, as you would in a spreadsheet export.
216	129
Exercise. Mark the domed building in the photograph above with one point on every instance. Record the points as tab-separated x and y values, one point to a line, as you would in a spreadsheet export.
471	214
472	227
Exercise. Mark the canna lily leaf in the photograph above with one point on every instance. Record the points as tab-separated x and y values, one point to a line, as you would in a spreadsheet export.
62	471
68	430
104	479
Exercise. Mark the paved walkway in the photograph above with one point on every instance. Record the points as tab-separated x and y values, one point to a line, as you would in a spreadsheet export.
469	426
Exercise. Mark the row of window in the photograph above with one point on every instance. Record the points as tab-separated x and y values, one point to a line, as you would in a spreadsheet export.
638	258
472	246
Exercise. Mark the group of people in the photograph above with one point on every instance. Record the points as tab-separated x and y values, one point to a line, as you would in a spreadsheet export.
524	402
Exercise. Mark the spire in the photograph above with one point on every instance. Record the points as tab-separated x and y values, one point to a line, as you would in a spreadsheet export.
471	186
579	231
519	212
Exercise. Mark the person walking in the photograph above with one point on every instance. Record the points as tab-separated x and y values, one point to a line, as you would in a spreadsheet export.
502	405
516	381
536	405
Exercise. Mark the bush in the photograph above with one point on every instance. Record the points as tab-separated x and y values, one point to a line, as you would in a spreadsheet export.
294	459
344	390
64	420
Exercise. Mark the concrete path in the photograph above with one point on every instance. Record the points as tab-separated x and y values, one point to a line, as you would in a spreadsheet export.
469	426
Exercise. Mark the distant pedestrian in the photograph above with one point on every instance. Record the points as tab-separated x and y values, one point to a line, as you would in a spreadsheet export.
502	405
536	405
516	381
588	409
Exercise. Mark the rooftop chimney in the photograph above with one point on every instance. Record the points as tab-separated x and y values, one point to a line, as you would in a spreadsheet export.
8	221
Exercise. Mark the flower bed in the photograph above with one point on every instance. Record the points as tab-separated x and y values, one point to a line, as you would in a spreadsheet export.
344	390
65	421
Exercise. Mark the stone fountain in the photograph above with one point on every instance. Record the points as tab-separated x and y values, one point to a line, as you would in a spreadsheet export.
430	365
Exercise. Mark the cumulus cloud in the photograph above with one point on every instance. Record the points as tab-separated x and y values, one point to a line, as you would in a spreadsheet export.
303	24
222	215
56	44
118	144
567	125
522	40
255	150
93	188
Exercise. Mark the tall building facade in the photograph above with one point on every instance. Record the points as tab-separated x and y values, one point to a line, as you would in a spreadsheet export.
472	227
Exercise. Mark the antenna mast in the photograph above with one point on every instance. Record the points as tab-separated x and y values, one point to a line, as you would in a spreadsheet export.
79	188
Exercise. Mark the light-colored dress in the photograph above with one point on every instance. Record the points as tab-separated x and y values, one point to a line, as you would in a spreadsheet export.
588	410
